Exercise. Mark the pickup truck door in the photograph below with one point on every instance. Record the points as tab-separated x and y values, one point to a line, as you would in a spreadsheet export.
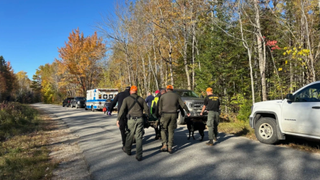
293	116
302	116
314	118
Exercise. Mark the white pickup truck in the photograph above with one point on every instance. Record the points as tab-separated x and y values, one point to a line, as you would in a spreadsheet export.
298	114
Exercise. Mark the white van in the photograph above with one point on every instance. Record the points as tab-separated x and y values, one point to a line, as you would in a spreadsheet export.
96	97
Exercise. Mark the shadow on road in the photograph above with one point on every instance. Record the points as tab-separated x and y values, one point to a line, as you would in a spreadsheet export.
230	158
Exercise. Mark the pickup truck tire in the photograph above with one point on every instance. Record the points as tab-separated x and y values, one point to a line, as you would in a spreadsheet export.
266	130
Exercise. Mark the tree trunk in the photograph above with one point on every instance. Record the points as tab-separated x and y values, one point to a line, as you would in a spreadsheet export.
261	51
197	50
144	76
161	71
170	63
185	37
154	51
166	79
128	65
193	46
193	56
312	74
153	73
245	44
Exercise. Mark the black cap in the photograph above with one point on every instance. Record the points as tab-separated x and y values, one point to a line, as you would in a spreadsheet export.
128	87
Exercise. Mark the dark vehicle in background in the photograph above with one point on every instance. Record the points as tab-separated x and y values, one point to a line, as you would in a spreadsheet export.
194	104
78	102
66	102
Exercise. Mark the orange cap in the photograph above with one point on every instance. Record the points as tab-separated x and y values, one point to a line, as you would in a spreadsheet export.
209	89
133	88
170	87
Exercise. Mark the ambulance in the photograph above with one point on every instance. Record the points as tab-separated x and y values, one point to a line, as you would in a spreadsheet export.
96	97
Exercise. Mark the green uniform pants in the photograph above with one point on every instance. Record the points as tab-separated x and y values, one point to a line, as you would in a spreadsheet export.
135	129
212	123
168	123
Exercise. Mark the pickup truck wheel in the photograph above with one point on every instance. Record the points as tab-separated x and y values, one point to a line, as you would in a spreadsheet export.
266	131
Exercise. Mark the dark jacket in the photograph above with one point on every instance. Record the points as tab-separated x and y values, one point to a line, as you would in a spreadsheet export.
149	100
119	99
136	110
108	103
169	103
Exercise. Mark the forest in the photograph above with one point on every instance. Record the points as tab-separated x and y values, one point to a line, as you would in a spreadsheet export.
246	50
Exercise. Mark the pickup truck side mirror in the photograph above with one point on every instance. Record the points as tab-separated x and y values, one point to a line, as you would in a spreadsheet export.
290	97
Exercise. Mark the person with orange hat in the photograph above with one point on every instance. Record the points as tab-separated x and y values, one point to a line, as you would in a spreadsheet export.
133	107
212	104
168	105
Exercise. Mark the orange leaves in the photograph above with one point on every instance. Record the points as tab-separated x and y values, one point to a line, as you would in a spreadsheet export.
80	53
79	59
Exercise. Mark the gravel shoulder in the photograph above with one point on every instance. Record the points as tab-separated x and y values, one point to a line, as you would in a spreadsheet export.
66	152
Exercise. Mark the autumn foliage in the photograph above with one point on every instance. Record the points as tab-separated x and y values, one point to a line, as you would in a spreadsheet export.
8	81
79	61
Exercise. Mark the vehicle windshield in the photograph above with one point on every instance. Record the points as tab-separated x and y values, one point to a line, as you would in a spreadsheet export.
186	93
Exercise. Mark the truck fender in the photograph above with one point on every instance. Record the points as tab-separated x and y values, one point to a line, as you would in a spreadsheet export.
260	114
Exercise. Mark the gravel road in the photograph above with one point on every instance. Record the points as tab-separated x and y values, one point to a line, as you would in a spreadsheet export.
231	158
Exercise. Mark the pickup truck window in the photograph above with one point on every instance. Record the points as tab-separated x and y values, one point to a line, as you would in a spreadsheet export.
309	94
186	93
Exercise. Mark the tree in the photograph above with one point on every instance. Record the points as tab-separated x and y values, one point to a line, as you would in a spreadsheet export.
80	57
8	81
23	91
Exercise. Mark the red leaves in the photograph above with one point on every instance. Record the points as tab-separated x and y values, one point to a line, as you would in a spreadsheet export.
272	44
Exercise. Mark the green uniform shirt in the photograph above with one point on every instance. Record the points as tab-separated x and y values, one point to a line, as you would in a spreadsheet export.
136	110
169	103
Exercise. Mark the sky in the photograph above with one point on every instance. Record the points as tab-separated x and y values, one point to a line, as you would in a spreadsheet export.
31	31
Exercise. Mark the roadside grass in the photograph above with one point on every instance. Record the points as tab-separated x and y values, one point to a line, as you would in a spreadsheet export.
24	151
229	124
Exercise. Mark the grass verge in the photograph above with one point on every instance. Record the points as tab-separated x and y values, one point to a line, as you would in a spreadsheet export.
24	151
237	128
231	125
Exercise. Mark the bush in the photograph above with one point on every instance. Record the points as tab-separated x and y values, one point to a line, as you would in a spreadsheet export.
245	110
15	119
